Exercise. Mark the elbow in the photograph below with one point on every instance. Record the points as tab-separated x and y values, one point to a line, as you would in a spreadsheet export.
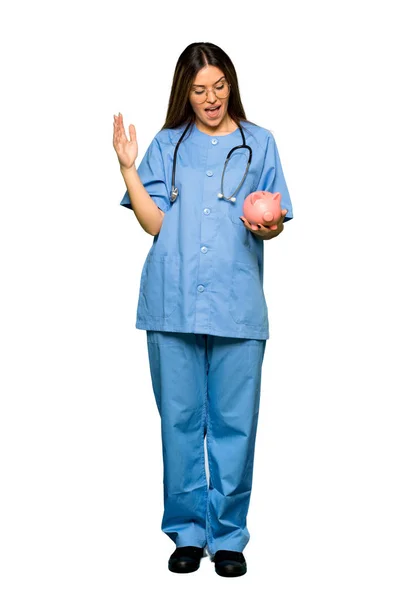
153	233
156	230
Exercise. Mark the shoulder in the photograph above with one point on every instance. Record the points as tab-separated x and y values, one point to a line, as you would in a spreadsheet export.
257	134
168	137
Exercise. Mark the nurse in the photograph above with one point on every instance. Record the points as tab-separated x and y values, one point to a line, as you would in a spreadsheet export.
202	302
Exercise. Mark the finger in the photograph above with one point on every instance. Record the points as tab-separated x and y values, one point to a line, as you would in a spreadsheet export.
245	222
121	128
281	218
250	226
132	133
259	233
116	130
117	125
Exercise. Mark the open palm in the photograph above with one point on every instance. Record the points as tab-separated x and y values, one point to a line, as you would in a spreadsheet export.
127	150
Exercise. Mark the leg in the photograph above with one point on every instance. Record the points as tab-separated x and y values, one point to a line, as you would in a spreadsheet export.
234	383
179	379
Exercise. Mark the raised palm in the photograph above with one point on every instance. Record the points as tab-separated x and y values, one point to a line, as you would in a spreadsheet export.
127	150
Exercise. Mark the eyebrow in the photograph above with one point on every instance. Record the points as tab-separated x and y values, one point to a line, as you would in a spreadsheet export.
196	85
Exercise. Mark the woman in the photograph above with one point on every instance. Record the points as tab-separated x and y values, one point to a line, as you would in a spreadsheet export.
201	300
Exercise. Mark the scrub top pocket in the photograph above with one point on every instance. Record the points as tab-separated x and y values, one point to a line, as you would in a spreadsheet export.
159	286
247	303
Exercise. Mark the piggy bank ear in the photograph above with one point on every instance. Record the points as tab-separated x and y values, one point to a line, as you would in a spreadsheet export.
276	197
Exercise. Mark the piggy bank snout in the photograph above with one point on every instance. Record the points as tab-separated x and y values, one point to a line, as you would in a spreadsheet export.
268	216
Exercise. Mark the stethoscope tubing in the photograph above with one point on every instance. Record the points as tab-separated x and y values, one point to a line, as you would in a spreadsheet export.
232	198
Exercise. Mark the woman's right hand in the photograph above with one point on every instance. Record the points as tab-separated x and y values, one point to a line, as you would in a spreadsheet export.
127	150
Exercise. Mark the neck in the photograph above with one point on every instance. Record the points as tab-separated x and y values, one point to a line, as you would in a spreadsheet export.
227	125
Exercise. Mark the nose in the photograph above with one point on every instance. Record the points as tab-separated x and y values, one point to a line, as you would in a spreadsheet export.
212	98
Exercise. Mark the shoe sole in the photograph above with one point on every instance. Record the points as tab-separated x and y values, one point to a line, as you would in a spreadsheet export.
175	569
230	572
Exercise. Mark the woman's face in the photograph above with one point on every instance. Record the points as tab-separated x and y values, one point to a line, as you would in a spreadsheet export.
211	78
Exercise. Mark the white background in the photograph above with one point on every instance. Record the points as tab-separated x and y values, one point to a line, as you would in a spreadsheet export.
81	464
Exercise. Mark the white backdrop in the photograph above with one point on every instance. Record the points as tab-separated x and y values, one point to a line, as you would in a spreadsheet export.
81	462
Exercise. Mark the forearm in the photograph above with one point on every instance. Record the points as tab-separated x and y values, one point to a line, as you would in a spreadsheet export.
146	210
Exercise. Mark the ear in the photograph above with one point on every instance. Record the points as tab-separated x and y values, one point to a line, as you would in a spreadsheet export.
276	197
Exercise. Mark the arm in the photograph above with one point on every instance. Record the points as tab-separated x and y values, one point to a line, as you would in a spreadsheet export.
272	180
149	215
147	193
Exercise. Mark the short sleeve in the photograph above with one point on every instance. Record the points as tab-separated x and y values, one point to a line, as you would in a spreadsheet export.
152	175
272	178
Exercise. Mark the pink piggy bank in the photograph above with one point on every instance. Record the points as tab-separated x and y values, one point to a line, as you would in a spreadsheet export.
263	207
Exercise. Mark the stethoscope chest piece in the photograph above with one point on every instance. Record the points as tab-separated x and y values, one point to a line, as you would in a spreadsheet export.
230	199
174	194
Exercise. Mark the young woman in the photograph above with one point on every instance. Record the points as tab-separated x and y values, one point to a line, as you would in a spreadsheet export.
201	300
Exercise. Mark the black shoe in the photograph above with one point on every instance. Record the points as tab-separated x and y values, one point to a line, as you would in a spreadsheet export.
229	563
186	559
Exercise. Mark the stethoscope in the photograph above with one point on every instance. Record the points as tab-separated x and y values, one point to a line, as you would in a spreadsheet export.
232	198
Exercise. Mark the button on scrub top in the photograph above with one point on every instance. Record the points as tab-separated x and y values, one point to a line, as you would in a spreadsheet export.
204	270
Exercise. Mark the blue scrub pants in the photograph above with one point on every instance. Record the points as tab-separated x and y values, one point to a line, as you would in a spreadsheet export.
206	386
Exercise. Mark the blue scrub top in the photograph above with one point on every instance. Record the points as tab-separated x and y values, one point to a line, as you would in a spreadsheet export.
204	270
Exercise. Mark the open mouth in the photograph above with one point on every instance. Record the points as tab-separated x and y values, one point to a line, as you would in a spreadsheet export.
213	111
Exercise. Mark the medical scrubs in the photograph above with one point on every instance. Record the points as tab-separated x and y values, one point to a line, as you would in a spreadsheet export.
202	303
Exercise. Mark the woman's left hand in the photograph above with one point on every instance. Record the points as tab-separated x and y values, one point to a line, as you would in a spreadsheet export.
265	232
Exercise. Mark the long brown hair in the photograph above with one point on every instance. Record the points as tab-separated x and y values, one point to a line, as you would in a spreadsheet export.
195	57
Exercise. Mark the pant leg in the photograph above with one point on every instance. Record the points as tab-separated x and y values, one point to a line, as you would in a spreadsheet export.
234	383
179	377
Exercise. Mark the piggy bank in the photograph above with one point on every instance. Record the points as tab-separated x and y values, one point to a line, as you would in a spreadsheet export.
263	207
